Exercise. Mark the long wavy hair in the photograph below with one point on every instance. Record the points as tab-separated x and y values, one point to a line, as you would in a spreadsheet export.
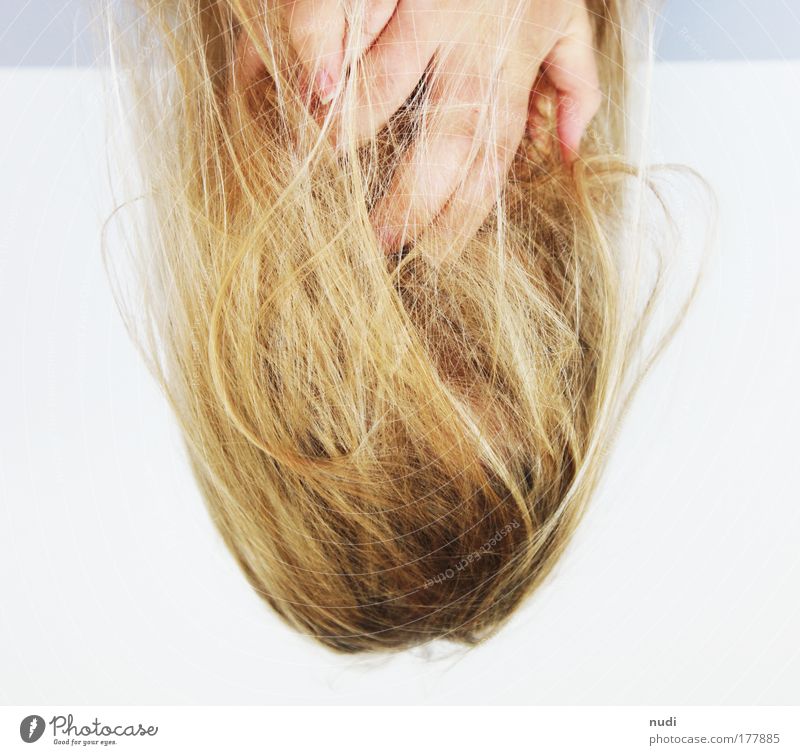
395	447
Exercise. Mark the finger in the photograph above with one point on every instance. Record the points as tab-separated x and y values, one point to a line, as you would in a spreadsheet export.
250	65
470	204
394	66
438	159
572	69
474	198
456	198
316	31
422	184
366	23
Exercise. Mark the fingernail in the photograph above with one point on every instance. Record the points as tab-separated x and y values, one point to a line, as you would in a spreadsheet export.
324	86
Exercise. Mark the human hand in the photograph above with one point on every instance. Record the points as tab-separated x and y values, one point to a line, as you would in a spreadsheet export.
317	30
483	59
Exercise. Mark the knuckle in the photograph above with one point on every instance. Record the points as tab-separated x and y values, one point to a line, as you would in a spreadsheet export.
463	126
456	119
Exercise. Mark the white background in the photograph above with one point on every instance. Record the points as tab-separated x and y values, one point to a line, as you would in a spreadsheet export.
681	586
60	32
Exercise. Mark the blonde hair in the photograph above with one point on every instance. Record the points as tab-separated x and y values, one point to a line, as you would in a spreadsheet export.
394	448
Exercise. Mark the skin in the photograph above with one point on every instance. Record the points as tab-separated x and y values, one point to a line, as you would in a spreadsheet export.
506	47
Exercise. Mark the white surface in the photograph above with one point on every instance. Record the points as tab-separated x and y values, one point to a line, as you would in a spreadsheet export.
681	587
